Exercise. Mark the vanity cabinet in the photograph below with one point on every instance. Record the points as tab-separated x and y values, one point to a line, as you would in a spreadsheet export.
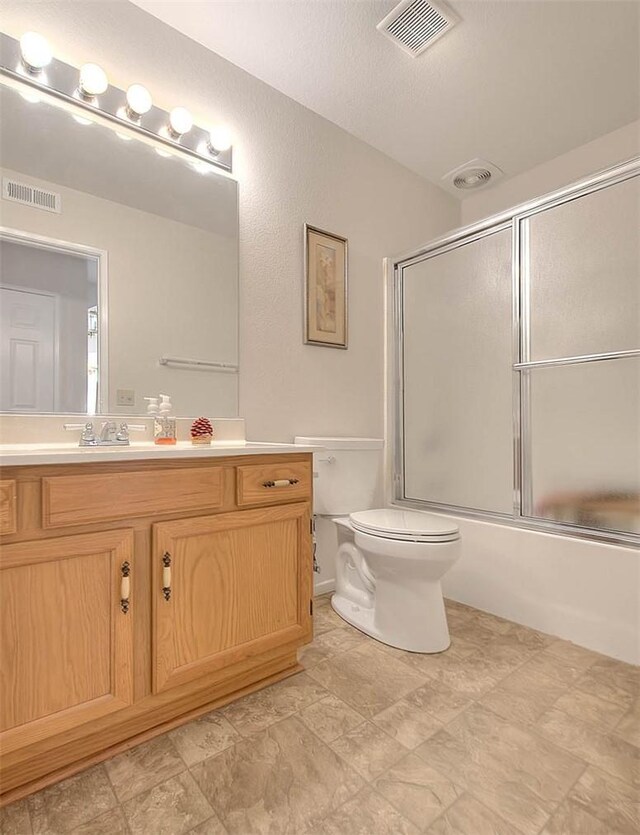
66	635
135	596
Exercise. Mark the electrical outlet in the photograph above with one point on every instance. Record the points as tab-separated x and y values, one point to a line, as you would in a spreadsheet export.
125	397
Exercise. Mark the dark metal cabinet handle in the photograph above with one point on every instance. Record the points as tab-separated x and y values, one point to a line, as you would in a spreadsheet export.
125	586
281	482
166	575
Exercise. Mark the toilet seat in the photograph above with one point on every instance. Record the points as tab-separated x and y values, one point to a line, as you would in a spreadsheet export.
404	525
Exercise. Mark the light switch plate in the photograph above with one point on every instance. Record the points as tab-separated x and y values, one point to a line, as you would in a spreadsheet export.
125	397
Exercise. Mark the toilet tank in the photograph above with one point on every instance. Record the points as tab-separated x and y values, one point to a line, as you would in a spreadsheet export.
346	474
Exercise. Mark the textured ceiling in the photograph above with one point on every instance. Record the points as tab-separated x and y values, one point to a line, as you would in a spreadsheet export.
515	82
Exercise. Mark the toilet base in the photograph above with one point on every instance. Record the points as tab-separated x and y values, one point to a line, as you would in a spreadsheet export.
362	618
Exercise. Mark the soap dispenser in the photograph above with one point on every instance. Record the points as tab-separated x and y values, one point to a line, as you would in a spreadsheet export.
164	425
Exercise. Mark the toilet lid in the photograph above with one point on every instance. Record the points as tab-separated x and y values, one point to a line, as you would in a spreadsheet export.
394	523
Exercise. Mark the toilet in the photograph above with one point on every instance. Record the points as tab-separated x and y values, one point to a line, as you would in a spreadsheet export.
389	561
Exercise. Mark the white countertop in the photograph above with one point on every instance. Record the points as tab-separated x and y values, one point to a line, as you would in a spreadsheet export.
13	455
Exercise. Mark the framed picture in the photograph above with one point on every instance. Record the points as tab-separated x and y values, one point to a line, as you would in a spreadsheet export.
325	298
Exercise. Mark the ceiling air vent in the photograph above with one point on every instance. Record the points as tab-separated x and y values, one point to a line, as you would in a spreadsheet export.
473	174
39	198
415	24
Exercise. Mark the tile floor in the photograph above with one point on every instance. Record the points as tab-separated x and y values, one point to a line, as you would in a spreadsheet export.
510	732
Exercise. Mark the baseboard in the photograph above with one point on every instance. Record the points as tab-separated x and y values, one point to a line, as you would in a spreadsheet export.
324	587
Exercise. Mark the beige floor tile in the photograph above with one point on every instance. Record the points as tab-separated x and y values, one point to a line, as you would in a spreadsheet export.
366	814
610	800
545	769
407	722
570	819
495	624
529	638
143	767
77	800
523	696
439	700
322	600
605	688
367	678
14	818
368	750
112	822
473	633
488	778
417	790
565	670
212	826
629	726
330	718
467	816
328	644
325	619
573	654
606	751
601	713
204	737
257	711
276	781
171	808
624	676
473	676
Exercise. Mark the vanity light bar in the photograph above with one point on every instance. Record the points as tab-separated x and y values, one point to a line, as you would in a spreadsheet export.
30	62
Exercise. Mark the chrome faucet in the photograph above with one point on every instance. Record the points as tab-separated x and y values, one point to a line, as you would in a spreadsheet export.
110	435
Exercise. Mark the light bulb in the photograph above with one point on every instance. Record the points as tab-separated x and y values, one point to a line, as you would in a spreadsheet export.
138	101
219	140
180	121
93	80
162	153
31	97
80	120
35	50
201	167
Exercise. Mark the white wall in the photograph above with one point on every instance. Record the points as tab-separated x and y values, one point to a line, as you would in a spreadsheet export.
607	150
293	167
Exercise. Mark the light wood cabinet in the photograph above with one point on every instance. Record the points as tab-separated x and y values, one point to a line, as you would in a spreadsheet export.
66	639
8	506
174	587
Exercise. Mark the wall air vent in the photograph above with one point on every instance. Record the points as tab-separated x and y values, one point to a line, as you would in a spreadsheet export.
415	24
474	174
39	198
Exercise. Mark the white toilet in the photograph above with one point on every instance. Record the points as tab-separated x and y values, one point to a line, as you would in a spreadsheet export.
389	561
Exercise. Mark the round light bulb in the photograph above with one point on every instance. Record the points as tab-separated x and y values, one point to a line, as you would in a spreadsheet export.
139	100
180	121
219	139
35	50
93	80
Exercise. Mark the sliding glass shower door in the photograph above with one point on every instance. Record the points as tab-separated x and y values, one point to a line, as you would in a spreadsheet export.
519	365
458	389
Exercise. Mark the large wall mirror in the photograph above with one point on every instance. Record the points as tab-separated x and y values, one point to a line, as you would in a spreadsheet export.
118	269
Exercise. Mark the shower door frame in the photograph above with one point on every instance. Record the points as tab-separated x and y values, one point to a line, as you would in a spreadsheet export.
514	219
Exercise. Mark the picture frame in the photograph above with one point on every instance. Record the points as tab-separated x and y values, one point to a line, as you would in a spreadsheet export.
326	288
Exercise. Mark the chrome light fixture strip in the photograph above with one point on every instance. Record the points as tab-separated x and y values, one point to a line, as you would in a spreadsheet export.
61	81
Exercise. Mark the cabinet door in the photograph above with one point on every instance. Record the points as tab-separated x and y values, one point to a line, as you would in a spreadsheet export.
66	636
227	588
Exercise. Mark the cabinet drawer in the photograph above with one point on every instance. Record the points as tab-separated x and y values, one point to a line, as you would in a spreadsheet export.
259	484
7	506
81	499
